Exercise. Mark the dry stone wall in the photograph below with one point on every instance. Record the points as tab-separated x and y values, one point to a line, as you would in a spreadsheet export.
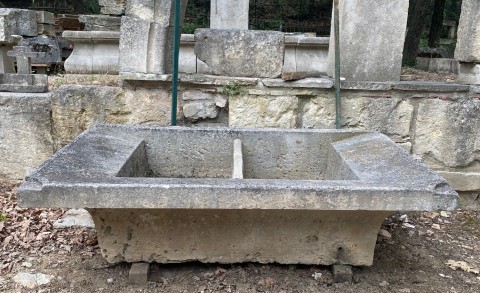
437	123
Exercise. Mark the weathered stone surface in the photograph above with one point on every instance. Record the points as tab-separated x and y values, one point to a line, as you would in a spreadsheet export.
158	11
319	113
226	236
342	273
468	37
112	7
94	52
25	133
100	22
76	108
371	40
229	14
197	110
431	86
391	116
45	17
138	273
304	83
306	54
448	133
462	181
440	65
46	29
17	22
469	73
145	47
241	52
263	111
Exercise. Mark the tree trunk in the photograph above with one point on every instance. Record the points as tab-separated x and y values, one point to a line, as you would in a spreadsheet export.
437	23
416	21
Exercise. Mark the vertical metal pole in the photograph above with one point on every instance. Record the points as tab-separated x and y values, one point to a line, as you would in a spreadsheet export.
176	49
338	104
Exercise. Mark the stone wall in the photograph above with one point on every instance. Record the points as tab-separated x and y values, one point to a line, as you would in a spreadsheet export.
437	123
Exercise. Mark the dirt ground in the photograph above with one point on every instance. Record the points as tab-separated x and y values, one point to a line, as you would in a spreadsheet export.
419	252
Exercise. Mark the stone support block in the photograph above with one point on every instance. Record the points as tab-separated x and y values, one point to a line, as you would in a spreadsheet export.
138	273
462	181
372	36
241	52
469	73
468	37
229	14
342	273
447	133
95	52
263	111
25	133
46	29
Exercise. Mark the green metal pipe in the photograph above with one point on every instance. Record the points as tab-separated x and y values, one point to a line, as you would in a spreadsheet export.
338	102
176	50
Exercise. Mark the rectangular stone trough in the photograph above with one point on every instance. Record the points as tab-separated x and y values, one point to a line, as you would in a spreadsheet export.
221	195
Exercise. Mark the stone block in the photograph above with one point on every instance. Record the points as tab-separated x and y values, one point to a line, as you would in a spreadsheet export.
391	116
100	22
371	40
197	110
229	14
25	133
138	273
45	17
468	36
241	52
17	22
23	83
469	73
143	9
447	133
462	181
112	10
263	111
342	273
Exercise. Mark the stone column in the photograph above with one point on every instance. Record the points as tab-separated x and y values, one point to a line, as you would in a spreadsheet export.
468	42
146	37
372	34
229	14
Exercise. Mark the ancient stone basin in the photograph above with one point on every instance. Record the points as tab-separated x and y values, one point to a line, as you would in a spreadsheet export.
167	194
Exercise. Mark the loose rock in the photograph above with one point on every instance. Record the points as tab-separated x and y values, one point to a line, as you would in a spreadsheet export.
32	280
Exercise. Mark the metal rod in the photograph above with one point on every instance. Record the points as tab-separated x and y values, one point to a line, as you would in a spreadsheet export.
176	48
338	104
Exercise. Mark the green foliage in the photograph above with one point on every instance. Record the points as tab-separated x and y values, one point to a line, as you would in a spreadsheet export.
233	89
92	6
3	218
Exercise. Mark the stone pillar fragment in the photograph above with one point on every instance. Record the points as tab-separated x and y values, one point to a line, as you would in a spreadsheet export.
229	14
372	35
467	50
146	37
112	7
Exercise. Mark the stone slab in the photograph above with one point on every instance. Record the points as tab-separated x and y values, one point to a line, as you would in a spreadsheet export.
462	181
469	73
23	83
324	83
371	40
26	126
241	52
100	22
468	36
431	86
134	45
